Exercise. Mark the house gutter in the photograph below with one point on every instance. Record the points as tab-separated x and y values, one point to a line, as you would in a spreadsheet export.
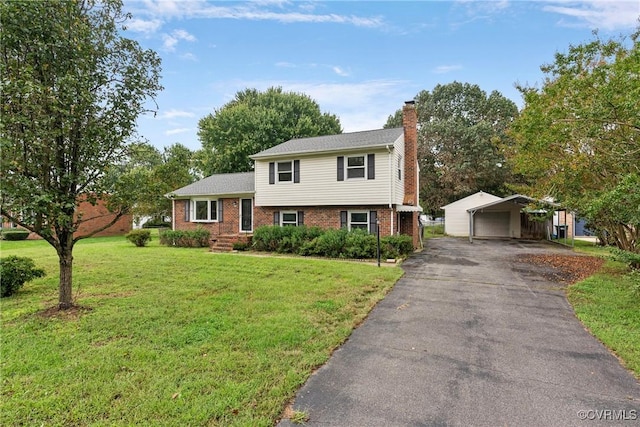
390	150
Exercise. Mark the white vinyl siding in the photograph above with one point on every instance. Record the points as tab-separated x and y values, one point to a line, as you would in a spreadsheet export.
318	185
456	217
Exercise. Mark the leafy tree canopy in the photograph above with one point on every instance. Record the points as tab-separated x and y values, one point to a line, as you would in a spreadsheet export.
577	137
254	121
461	136
72	90
153	174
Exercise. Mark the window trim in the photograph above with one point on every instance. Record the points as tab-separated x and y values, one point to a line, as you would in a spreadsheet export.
284	223
347	168
350	222
290	172
210	217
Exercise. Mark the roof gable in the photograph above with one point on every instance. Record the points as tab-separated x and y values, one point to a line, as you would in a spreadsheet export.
339	142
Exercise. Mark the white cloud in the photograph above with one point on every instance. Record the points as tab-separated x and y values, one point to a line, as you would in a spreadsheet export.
144	26
177	131
359	106
189	56
171	40
606	15
172	114
279	11
443	69
339	71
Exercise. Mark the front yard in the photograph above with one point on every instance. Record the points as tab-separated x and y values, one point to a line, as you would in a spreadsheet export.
171	336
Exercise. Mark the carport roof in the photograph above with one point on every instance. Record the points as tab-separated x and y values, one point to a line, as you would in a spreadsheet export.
518	199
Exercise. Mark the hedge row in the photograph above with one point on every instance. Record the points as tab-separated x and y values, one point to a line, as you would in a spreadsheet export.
308	241
14	234
198	238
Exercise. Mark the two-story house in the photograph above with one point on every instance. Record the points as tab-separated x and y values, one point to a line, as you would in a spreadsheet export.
353	180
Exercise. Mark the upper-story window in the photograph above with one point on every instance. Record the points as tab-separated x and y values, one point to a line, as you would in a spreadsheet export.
288	171
285	171
399	167
357	167
205	210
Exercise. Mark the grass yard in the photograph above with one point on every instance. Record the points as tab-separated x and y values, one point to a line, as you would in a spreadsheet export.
173	336
608	306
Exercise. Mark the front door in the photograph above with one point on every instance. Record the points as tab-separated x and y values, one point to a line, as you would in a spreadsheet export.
246	215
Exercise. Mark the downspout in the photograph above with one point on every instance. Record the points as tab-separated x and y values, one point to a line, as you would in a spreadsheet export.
389	150
173	214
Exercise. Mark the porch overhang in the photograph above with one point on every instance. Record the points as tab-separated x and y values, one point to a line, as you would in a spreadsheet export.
408	208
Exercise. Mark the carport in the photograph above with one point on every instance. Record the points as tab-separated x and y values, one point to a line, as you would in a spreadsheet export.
499	218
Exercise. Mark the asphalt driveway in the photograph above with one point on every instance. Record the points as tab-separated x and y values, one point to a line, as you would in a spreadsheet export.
469	336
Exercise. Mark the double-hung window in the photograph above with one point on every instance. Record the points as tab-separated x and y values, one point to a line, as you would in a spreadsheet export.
285	171
355	167
205	210
358	219
289	219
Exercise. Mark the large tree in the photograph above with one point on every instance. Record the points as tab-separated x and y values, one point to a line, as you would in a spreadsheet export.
462	132
154	174
72	90
254	121
577	139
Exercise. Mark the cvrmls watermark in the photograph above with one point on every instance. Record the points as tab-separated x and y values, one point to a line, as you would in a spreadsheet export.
609	414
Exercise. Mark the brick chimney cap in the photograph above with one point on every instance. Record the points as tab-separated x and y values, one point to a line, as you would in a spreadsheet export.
412	102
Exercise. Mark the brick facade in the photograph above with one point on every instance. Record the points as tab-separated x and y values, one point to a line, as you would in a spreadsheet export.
94	217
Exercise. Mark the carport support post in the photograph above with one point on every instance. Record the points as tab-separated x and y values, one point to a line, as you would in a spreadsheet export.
471	214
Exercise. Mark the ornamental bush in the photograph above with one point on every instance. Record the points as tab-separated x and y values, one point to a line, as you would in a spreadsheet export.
15	234
399	246
15	272
140	238
198	238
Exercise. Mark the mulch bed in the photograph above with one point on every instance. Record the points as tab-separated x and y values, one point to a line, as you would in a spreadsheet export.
565	268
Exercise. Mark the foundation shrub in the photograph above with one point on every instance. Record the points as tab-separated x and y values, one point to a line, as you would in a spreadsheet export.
198	238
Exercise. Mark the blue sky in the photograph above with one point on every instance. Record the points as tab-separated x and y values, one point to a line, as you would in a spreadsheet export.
359	60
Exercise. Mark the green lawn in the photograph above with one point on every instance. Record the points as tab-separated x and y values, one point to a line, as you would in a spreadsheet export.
174	336
609	308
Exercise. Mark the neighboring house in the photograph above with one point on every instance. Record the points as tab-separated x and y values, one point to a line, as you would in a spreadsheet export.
94	217
485	215
354	180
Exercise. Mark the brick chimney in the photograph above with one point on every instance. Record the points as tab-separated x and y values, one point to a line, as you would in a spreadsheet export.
410	124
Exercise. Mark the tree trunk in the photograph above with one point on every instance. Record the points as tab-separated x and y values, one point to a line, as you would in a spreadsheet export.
65	300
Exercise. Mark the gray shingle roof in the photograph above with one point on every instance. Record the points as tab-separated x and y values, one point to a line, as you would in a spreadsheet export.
226	183
343	141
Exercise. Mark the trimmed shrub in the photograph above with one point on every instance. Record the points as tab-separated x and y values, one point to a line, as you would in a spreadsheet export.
140	238
396	246
273	238
331	244
360	244
198	238
240	246
15	234
15	272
